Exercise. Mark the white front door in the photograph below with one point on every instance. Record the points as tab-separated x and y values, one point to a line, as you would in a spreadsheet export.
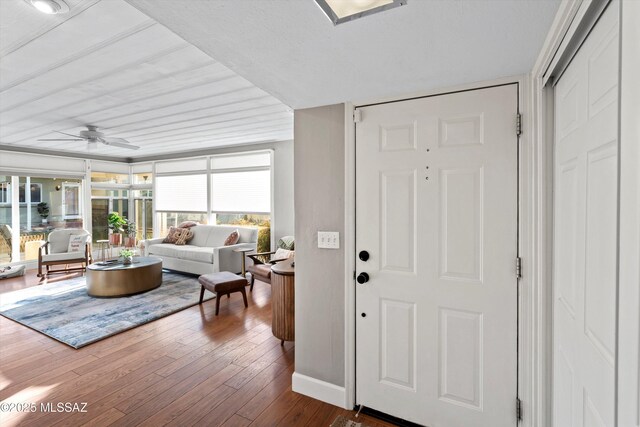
436	210
585	230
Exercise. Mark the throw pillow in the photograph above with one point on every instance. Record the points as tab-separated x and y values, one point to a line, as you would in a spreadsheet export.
286	242
77	242
187	224
184	235
233	238
283	254
171	236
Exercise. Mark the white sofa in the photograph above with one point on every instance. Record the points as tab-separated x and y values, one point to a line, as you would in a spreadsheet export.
205	253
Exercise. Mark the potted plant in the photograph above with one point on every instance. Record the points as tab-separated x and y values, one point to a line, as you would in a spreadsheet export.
116	223
130	231
127	256
43	211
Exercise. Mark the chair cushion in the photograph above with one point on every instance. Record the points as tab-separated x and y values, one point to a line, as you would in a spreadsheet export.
59	239
263	270
189	252
65	256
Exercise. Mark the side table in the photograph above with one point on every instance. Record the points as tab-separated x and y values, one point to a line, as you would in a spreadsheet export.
242	252
283	300
103	246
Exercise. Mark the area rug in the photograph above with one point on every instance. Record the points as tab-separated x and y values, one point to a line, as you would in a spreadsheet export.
63	310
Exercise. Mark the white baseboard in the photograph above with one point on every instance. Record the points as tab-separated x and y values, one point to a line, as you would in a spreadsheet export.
321	390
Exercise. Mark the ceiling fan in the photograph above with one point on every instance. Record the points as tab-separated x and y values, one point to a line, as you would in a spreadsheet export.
93	136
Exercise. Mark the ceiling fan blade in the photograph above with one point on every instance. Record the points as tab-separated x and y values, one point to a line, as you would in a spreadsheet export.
119	144
109	140
59	139
68	134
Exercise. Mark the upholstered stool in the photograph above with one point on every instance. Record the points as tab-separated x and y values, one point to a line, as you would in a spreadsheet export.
223	283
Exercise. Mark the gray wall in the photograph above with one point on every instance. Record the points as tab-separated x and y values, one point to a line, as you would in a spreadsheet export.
319	155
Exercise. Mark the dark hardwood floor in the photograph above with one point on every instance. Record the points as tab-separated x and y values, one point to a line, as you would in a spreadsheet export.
188	369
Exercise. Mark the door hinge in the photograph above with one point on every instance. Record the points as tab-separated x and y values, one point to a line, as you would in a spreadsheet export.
519	268
357	116
518	124
519	409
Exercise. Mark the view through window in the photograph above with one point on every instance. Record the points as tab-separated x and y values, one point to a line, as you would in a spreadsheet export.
43	204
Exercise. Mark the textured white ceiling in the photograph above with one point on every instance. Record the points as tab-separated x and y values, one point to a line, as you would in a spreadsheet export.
290	49
107	64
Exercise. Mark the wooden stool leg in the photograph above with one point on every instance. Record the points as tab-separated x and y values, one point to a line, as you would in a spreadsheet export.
244	297
253	279
201	294
217	304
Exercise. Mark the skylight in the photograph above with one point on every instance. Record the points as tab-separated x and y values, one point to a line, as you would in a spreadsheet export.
339	11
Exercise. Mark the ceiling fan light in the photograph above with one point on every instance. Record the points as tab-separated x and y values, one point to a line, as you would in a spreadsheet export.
50	7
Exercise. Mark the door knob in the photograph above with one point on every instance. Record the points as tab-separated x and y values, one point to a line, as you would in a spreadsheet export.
363	255
363	278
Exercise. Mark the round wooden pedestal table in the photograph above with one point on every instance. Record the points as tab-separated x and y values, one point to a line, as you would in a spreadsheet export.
118	279
283	300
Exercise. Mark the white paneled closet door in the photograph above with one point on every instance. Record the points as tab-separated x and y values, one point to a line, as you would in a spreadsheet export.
585	231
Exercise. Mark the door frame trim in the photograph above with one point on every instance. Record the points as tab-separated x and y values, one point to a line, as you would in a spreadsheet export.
526	283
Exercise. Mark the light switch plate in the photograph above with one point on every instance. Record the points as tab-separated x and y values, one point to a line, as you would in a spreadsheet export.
328	240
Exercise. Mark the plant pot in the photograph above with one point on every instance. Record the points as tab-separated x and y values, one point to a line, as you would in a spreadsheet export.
115	239
45	221
127	260
129	242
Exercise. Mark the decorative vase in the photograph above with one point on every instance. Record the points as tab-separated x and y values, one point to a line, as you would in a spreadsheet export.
115	239
127	260
45	221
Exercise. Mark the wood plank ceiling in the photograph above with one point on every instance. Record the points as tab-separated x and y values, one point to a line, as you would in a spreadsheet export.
106	64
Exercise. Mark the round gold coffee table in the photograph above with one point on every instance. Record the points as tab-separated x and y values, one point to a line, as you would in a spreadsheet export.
118	279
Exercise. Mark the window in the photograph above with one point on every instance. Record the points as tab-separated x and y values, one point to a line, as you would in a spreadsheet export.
35	193
173	219
5	192
104	201
71	200
109	178
143	213
181	193
142	178
241	192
